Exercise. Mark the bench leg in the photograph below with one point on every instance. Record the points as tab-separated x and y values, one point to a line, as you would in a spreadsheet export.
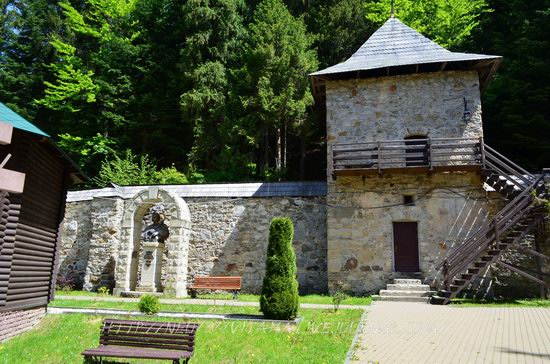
235	294
193	293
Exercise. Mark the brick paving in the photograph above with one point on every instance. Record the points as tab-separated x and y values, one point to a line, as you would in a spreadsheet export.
402	332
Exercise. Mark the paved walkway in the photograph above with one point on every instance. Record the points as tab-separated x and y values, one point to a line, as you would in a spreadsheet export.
207	302
396	332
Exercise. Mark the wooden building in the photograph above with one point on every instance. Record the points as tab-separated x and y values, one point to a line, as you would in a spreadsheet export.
30	216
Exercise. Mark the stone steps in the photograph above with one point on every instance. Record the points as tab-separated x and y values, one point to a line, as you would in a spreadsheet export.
394	293
408	287
407	281
402	299
406	290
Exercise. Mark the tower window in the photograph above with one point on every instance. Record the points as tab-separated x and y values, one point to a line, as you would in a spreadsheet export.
408	200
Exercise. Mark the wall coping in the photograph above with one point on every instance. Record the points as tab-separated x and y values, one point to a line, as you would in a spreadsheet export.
266	189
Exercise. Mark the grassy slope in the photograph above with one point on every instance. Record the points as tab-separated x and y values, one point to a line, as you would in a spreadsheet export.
323	337
463	302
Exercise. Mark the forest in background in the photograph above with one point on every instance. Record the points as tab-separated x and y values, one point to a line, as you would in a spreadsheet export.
194	91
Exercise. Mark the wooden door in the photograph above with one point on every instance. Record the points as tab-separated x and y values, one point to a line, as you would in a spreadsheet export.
417	151
405	246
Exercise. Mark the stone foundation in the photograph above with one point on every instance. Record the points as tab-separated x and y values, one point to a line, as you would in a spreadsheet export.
17	322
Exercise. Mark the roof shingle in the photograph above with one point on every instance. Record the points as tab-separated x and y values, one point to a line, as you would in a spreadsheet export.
395	44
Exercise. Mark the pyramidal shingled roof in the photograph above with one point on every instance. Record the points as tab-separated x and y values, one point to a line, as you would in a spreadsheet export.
395	44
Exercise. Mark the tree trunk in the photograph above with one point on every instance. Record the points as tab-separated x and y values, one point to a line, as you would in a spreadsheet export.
279	158
284	148
302	157
266	151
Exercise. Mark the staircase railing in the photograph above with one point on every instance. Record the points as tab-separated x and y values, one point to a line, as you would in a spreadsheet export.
505	167
515	210
475	245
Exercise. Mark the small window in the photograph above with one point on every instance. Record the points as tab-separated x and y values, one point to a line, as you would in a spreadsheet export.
408	200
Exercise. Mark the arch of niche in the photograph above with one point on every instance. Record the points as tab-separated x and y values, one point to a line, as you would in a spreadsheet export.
177	244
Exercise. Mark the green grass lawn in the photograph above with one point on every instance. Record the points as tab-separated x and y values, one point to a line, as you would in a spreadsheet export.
132	306
312	298
466	302
324	336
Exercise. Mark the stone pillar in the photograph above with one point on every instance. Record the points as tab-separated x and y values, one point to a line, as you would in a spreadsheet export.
106	216
150	269
177	255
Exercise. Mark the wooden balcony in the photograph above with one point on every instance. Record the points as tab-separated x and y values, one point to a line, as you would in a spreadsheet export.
407	156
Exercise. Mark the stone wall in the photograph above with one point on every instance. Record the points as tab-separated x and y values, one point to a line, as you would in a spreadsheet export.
90	236
392	108
75	241
228	237
447	207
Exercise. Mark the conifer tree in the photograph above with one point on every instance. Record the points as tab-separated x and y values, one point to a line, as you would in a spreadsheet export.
279	299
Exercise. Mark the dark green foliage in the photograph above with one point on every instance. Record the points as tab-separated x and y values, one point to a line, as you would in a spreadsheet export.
133	170
149	304
219	88
279	299
515	106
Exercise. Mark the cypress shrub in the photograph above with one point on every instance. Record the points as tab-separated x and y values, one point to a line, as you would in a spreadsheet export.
279	299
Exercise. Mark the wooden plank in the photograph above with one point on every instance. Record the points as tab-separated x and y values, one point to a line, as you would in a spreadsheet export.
522	273
23	304
533	252
39	237
42	230
33	283
34	264
43	293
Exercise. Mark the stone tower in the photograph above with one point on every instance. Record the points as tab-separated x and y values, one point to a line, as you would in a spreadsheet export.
404	133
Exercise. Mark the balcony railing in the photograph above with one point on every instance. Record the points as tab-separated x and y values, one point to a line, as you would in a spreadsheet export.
408	155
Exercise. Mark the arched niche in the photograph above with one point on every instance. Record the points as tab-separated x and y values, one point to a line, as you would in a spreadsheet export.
177	244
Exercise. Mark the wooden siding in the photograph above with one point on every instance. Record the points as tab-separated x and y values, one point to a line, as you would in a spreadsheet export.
33	219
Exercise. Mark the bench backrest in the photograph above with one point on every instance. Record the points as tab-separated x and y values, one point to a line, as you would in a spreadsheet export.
218	282
148	334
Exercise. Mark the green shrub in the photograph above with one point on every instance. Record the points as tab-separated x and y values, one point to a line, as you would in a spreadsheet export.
279	299
104	291
170	176
338	298
149	304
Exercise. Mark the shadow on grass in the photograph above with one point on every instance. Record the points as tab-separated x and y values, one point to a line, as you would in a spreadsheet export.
466	302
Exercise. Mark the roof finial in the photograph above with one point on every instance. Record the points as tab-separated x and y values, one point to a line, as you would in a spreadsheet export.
392	9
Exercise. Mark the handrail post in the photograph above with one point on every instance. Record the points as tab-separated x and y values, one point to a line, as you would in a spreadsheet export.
330	165
482	146
379	159
446	275
497	237
430	164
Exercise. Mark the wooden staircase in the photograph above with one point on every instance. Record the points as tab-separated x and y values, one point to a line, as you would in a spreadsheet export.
520	217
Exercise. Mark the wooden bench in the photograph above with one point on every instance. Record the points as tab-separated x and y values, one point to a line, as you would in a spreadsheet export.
173	341
232	284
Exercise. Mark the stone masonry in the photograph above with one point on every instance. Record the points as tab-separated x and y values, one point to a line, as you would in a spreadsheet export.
228	237
447	207
392	108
